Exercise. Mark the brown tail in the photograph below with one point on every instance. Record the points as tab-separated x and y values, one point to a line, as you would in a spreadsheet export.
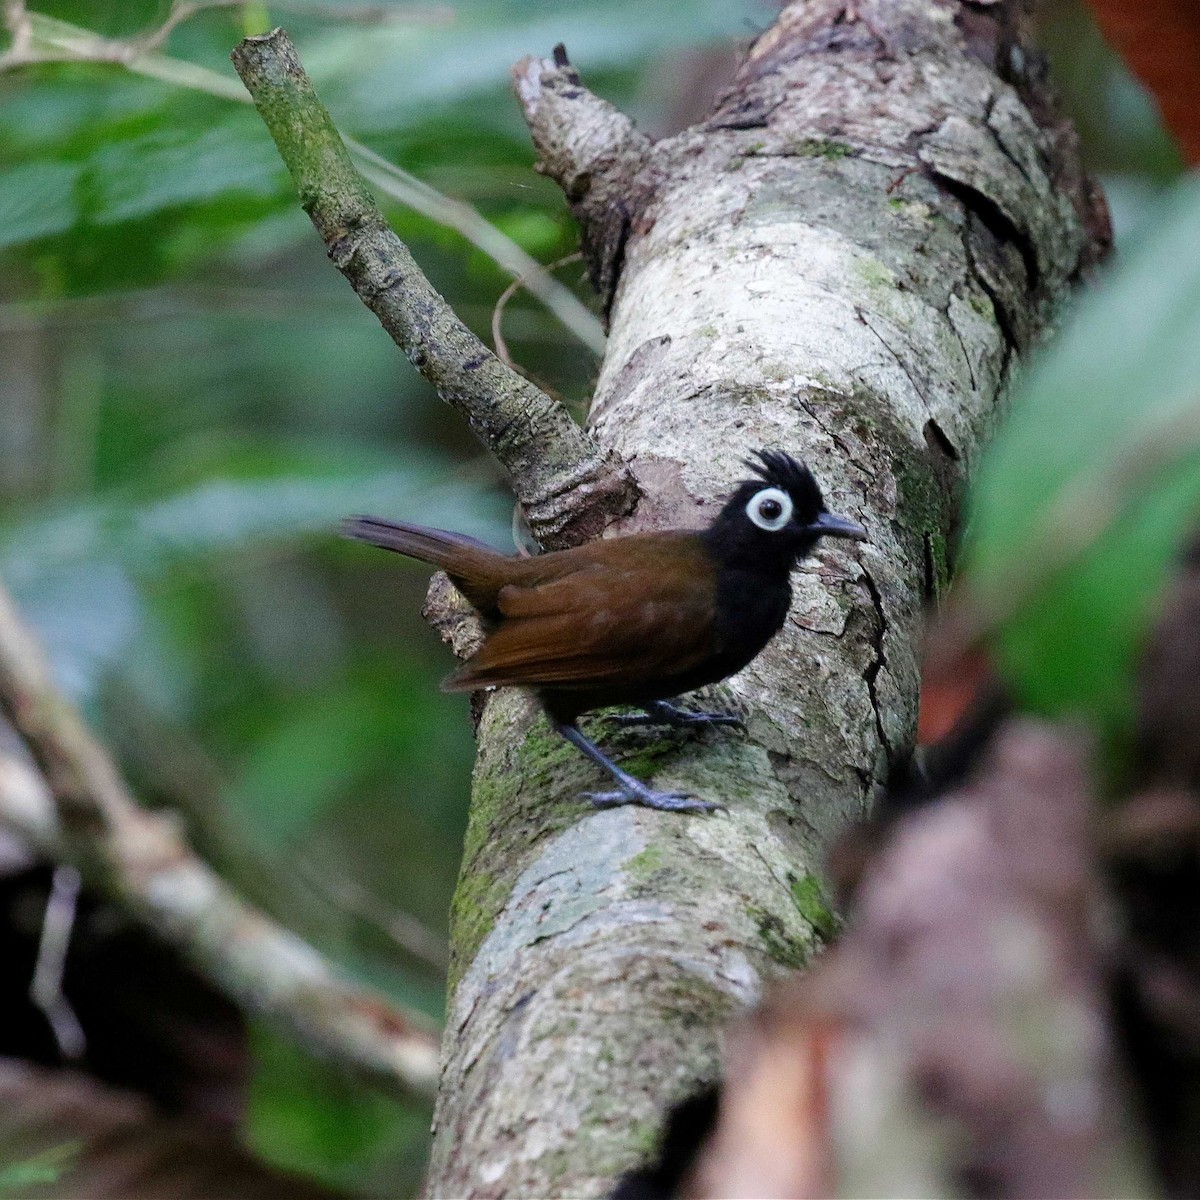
477	570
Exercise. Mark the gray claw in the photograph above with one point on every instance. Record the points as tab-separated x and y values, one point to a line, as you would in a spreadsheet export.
702	718
649	798
662	713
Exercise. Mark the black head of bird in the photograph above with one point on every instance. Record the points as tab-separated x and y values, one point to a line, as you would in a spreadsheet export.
632	620
769	523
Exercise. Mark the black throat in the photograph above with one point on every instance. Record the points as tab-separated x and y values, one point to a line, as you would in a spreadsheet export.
736	545
754	593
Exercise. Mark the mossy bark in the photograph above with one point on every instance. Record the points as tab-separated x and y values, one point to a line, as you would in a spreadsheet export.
847	260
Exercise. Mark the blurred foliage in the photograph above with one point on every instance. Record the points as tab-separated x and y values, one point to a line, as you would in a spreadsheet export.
18	1177
1093	483
190	397
318	1122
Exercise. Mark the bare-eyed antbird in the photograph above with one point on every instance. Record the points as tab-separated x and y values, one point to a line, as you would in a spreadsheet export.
632	620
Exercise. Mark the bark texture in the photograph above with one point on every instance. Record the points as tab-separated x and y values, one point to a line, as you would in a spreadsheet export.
847	260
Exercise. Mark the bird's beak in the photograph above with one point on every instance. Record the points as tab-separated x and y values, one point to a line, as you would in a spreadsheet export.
829	525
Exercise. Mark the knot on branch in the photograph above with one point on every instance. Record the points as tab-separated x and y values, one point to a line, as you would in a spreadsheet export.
578	503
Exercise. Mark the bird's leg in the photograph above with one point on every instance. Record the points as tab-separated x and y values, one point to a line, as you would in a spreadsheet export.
661	712
629	790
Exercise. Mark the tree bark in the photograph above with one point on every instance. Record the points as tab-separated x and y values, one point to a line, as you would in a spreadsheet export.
847	259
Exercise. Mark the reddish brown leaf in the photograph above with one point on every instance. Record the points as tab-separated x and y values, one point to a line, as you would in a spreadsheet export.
1160	40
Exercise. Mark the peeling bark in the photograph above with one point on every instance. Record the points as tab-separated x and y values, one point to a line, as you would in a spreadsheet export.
847	259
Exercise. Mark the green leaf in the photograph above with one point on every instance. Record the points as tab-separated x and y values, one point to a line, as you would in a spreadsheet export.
1093	484
229	514
141	176
44	1168
37	200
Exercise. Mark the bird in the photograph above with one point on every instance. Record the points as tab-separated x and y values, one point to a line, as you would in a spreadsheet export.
634	620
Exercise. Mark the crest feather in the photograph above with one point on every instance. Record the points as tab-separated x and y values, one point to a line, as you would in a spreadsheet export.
780	469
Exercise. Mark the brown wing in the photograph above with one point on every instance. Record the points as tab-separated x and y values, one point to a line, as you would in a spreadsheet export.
640	610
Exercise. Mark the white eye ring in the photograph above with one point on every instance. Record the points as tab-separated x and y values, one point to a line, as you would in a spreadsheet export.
778	505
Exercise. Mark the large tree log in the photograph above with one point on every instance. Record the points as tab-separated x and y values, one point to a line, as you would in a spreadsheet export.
847	259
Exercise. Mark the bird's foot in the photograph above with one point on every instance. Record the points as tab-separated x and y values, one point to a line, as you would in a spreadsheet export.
662	713
629	790
683	717
638	793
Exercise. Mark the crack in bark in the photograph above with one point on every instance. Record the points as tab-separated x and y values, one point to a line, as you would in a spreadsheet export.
878	662
989	110
861	314
938	441
1004	318
994	219
966	356
607	274
834	437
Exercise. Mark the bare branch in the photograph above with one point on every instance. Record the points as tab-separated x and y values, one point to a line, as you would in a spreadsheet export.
181	11
570	488
593	152
141	860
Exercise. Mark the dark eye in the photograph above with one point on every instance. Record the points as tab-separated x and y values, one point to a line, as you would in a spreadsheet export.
770	509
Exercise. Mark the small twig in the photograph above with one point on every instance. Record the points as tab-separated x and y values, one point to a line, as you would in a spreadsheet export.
506	295
46	989
181	11
570	488
397	183
141	861
184	10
